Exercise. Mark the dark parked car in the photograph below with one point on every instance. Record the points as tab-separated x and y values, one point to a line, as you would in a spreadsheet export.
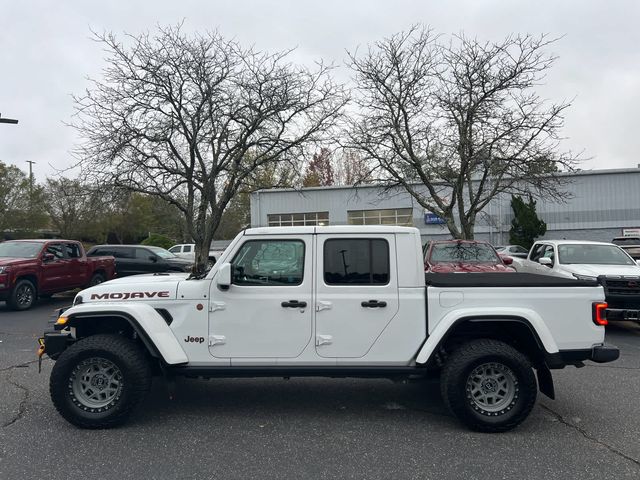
631	245
137	259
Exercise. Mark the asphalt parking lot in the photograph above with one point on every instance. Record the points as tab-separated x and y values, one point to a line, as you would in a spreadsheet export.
316	428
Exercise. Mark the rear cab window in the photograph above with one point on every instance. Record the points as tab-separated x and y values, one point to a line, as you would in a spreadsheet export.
356	261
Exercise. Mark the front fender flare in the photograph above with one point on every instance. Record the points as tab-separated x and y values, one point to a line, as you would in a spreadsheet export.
146	322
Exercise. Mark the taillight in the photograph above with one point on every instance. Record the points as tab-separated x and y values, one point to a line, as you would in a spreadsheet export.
599	313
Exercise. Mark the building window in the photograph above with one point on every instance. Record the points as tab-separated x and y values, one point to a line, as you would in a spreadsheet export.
298	219
391	216
355	261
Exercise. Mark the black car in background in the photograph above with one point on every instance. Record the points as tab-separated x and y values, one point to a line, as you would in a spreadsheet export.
136	259
629	244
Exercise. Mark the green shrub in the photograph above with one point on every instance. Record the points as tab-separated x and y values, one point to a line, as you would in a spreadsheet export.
157	240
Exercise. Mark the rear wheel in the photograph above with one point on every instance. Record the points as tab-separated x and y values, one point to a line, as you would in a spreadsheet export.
99	380
23	296
489	385
96	279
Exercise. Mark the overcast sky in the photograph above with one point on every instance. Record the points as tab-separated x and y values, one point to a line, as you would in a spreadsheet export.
46	54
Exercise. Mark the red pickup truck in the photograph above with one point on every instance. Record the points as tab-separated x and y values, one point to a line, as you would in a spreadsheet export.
39	268
464	256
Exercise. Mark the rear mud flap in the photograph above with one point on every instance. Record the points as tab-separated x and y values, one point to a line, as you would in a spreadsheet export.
545	381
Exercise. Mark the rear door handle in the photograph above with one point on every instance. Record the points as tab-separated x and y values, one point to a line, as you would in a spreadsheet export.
374	304
294	304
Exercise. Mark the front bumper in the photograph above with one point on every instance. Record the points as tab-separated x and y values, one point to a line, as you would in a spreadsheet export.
54	343
598	353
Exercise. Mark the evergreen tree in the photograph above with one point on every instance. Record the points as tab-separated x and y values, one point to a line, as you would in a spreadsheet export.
525	226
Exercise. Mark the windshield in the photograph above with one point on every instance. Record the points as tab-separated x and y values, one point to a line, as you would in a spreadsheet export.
161	252
20	249
626	241
593	254
463	252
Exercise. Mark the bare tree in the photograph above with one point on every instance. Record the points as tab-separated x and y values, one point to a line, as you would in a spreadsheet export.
192	118
457	123
70	205
350	168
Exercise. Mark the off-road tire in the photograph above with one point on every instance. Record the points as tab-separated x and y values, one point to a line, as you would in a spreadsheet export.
457	385
96	279
133	382
17	300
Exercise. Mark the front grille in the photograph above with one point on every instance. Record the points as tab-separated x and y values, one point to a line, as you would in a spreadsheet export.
622	287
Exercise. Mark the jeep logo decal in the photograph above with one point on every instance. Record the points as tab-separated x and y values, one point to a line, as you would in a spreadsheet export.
128	295
194	340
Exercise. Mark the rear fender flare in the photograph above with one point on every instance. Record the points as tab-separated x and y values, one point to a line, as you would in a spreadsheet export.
449	321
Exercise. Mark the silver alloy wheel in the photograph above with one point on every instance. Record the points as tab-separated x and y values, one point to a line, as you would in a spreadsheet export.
492	388
24	295
95	384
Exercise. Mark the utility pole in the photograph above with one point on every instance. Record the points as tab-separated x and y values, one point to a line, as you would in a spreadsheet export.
30	177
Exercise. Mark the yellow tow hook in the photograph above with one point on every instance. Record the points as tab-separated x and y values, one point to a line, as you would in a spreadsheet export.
40	353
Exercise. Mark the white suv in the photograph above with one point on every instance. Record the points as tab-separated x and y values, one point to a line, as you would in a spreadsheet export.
579	259
188	251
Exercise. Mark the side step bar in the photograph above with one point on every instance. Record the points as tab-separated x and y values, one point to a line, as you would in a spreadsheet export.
297	371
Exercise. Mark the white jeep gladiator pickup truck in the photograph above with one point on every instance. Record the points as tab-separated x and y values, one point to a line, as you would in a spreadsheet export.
346	301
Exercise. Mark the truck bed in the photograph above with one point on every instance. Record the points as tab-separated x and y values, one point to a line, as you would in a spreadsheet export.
517	279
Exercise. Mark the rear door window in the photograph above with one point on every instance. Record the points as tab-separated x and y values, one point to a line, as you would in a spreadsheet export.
355	261
73	250
122	252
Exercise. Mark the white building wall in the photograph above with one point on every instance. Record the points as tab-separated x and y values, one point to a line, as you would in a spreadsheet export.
597	205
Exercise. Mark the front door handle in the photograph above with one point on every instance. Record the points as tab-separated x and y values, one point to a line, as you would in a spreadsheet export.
294	304
374	304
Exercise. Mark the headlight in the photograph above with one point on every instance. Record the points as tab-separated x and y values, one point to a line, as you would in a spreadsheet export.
4	269
585	278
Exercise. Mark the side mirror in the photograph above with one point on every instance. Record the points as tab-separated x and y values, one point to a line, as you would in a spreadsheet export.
547	262
507	260
638	262
48	257
153	258
224	276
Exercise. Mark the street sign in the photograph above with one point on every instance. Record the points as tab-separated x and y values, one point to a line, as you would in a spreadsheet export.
433	219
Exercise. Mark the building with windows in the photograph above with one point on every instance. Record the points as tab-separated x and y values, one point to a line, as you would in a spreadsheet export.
598	205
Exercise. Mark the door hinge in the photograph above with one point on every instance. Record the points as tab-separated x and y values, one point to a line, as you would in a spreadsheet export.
323	306
214	306
323	340
217	340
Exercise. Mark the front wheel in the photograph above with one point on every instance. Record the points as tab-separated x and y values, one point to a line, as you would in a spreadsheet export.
23	295
489	385
99	380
